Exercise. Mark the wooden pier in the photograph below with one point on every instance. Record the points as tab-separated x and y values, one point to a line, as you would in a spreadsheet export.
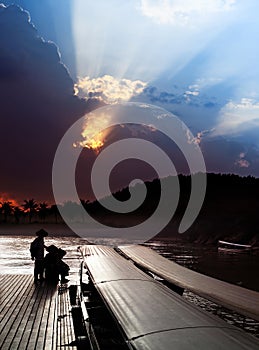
34	316
144	313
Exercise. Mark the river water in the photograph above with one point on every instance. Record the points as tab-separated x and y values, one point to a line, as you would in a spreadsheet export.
240	269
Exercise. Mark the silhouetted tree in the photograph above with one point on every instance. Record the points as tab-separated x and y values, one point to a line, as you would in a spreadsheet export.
30	206
43	211
6	209
17	212
54	211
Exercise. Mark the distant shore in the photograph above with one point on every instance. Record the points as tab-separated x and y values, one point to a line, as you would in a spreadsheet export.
54	230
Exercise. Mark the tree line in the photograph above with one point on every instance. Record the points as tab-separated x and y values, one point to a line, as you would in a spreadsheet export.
27	211
241	194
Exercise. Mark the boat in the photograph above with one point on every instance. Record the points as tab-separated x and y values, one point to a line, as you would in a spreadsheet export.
225	246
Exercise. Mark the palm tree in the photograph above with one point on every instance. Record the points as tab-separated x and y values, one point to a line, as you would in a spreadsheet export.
54	210
7	209
17	212
30	207
43	210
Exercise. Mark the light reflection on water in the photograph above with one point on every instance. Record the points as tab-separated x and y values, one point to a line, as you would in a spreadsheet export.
15	256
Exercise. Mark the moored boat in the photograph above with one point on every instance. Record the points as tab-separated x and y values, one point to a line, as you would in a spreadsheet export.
234	247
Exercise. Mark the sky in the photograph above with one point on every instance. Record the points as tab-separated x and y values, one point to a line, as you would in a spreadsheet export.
60	59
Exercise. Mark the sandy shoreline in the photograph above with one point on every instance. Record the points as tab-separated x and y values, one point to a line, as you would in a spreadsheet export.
54	230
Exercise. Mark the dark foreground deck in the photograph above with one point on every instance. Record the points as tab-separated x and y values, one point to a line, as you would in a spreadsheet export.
34	316
116	306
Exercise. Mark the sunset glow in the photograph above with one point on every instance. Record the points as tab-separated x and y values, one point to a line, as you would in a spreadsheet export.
5	198
94	133
94	143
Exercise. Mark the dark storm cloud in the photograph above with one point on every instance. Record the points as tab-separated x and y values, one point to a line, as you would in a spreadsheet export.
53	20
37	105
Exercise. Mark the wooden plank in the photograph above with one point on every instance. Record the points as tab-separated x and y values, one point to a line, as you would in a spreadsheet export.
10	330
143	307
6	283
63	321
51	330
67	335
64	328
41	341
233	297
29	330
9	292
68	340
34	335
11	303
30	316
24	320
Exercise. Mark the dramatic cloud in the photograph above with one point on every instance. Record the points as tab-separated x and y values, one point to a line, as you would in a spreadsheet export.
238	117
181	12
230	140
199	70
37	105
109	89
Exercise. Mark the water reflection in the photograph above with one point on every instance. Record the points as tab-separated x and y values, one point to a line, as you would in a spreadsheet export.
15	257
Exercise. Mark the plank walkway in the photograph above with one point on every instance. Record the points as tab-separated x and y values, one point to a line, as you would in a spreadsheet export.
34	316
241	300
150	315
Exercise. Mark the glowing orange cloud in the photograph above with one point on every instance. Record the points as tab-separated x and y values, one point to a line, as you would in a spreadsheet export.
94	133
4	197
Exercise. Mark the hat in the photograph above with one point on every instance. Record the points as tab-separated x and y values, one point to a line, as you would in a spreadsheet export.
42	233
61	253
52	249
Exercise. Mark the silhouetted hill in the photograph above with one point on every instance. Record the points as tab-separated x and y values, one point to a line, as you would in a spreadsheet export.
230	210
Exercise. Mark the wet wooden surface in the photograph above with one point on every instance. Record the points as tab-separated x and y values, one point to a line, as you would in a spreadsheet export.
233	297
34	316
150	315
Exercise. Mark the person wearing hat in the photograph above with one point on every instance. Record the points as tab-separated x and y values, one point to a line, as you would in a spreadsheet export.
54	265
37	254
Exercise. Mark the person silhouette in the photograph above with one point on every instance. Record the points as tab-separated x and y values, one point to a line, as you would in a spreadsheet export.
37	254
54	265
